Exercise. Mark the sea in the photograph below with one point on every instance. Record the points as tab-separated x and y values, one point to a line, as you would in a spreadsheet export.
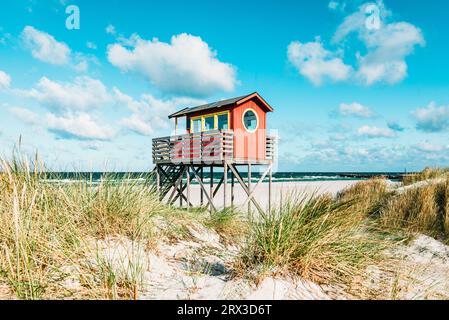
96	177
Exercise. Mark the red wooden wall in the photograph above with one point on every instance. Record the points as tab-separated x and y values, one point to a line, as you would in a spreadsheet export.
247	146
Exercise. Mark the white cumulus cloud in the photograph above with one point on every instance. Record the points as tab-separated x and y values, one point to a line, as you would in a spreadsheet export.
356	110
149	113
84	93
80	126
316	63
5	80
430	147
375	132
432	118
24	114
387	45
45	47
186	65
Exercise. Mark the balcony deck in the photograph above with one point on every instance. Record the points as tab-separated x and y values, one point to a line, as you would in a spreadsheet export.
213	147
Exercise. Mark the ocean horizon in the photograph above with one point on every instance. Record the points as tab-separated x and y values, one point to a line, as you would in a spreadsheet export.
277	176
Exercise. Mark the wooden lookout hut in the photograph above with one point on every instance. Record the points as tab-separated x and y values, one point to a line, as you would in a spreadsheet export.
228	134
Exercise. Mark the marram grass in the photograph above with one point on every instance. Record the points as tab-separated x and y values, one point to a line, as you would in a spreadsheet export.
318	238
47	230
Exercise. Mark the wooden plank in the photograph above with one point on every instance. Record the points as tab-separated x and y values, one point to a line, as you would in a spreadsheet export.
245	188
178	181
188	187
225	181
203	189
218	187
251	195
211	183
270	181
249	187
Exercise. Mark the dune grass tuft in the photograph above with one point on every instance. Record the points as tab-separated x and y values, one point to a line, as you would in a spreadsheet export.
426	174
366	196
424	209
45	227
316	237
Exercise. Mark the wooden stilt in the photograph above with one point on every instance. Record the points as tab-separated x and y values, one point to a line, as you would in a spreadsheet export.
253	191
202	192
158	182
232	189
211	182
181	191
188	187
176	185
245	188
225	187
249	186
270	181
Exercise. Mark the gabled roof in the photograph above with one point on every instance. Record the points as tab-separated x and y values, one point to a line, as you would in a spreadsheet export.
222	103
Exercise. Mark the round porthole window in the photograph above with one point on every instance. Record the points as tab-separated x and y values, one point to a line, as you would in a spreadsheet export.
250	120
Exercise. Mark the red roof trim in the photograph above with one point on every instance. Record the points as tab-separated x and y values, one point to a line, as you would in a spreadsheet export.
255	95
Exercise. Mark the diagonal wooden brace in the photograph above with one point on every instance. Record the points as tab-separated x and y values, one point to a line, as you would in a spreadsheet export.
245	188
251	195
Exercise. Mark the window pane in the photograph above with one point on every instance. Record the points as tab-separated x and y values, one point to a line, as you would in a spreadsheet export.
209	123
196	125
223	122
250	120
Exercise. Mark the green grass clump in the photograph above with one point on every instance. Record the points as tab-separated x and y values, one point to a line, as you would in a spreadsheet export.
47	226
366	196
423	209
318	238
426	174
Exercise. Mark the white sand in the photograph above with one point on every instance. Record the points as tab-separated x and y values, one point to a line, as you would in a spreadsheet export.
280	191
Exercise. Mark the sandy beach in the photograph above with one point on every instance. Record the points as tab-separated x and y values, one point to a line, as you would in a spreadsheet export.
280	191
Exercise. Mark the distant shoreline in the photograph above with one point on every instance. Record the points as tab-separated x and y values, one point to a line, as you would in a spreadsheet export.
278	177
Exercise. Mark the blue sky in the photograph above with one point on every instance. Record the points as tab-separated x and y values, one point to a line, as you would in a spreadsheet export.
356	85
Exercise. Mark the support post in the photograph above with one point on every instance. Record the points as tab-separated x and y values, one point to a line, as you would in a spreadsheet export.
232	189
188	187
181	191
158	182
202	180
249	186
245	188
211	182
225	187
270	181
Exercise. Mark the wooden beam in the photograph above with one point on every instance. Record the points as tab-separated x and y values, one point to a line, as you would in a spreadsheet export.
204	189
225	181
202	192
188	187
181	193
251	195
158	182
178	181
232	189
218	186
245	188
270	181
249	186
211	184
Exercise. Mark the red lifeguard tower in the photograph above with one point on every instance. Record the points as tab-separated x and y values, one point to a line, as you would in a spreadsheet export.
226	134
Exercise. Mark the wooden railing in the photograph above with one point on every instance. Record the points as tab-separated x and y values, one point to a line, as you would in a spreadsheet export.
210	146
270	147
